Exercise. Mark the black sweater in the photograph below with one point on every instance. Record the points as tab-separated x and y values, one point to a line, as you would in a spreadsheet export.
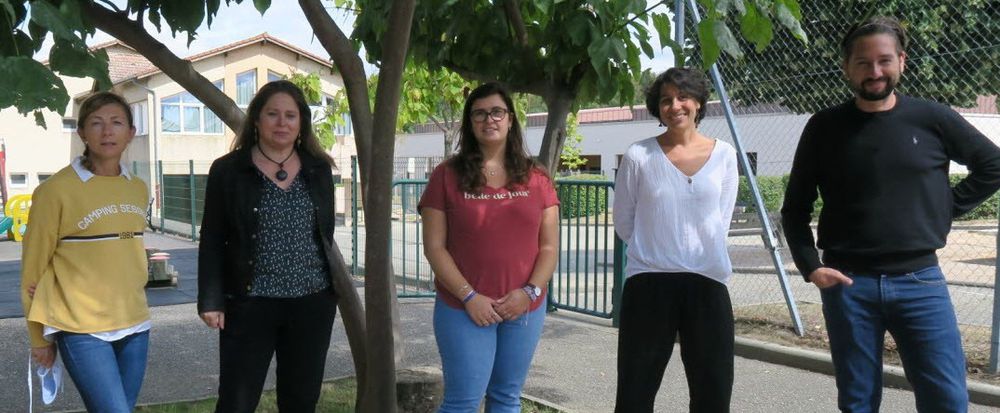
883	177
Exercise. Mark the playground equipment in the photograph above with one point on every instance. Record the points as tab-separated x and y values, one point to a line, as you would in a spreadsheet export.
161	273
17	210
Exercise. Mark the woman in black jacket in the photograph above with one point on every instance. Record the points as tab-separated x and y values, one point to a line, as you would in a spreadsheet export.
264	278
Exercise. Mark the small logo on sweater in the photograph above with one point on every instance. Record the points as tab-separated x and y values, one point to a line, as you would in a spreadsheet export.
914	140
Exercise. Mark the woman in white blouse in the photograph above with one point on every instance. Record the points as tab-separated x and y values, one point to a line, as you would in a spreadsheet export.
674	199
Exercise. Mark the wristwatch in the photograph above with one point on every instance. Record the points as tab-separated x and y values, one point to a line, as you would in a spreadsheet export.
532	290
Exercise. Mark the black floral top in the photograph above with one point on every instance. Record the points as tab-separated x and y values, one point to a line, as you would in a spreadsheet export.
289	259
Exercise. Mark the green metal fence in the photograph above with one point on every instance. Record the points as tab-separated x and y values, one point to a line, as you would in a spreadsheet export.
414	277
588	275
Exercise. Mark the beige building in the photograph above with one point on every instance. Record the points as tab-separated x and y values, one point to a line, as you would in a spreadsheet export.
172	126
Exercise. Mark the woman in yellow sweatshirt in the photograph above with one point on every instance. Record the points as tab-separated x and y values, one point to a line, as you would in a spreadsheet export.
84	266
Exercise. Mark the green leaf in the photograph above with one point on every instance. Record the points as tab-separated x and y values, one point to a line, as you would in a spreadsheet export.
756	28
724	37
709	47
262	5
40	119
71	60
646	48
28	85
793	7
38	33
154	17
661	22
787	18
49	16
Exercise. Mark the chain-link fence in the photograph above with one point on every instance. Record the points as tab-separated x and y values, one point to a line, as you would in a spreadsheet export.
953	57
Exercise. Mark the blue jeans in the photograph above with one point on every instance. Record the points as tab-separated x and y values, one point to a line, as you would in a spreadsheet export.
108	375
490	360
916	309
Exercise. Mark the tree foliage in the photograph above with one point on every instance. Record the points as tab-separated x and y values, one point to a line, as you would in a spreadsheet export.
571	151
327	119
28	85
567	51
953	54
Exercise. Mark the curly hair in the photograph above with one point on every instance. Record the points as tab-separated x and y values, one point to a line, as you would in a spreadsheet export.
468	162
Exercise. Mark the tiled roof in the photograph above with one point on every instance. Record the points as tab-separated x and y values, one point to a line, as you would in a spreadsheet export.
125	63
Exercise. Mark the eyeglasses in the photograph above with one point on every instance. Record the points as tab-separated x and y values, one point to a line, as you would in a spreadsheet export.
497	114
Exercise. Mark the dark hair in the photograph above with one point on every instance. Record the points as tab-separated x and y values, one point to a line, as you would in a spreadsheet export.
468	162
307	140
92	104
872	26
689	81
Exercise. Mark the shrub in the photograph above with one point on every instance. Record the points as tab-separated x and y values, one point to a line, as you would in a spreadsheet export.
581	199
986	210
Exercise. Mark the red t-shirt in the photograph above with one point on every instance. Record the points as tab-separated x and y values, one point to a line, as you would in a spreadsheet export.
492	235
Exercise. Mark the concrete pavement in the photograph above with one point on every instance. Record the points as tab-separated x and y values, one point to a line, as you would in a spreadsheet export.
574	365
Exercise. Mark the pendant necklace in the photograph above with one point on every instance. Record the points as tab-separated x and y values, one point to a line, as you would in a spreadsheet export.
281	175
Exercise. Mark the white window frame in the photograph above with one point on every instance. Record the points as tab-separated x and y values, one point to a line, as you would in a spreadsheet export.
69	125
46	175
186	100
140	117
23	184
253	73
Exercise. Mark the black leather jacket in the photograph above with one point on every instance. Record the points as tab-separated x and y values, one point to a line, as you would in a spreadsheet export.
229	224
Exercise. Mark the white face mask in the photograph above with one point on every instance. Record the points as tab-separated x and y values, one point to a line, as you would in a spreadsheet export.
50	379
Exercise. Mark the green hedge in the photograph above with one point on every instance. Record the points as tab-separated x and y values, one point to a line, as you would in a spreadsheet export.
772	189
582	200
986	210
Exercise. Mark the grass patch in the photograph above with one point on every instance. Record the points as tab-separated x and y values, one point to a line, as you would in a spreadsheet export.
770	323
337	396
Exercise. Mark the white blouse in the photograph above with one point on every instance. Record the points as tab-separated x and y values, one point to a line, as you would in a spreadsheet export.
673	222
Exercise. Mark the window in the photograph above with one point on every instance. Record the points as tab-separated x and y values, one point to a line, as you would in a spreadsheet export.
140	116
18	180
347	128
183	113
69	125
246	87
271	76
42	177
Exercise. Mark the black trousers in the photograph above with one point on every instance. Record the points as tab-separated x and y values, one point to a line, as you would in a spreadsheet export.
656	308
296	331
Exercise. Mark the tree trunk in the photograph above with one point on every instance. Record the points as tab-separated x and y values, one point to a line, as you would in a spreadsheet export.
379	281
450	136
559	103
352	71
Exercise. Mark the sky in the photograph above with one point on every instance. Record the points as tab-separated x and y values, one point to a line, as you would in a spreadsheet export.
284	20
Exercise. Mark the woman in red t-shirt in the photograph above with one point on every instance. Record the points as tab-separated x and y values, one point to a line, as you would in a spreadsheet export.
490	218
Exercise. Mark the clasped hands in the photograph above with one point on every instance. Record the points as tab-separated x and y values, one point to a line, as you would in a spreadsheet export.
485	311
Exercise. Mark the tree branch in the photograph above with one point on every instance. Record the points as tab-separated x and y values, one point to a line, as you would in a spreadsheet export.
513	10
537	87
181	71
644	12
352	71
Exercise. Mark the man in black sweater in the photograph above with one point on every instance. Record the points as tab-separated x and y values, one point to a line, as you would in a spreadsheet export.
880	163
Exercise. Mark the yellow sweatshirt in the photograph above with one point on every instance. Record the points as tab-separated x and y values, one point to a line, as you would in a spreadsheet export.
83	250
